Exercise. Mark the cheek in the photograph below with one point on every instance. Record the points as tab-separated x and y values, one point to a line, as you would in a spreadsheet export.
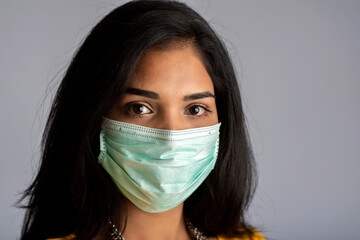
117	111
116	114
216	116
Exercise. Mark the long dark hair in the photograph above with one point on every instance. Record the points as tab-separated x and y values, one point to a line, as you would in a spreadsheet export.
72	194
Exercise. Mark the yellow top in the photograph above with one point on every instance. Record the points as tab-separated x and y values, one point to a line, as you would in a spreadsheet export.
257	236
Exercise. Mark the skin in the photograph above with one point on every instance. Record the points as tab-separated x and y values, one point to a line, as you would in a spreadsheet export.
170	89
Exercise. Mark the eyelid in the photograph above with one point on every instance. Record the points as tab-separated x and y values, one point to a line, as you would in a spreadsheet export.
200	105
127	107
206	109
146	104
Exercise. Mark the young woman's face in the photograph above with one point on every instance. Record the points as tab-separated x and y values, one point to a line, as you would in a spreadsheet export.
169	90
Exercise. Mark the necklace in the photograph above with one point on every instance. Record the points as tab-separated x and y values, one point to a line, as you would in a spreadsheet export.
195	233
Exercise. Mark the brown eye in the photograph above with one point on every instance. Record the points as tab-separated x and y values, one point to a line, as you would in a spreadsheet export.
196	110
139	109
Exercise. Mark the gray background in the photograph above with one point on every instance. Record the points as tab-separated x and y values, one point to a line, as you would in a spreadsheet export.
299	69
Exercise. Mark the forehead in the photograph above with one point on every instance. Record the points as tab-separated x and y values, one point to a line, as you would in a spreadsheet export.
173	69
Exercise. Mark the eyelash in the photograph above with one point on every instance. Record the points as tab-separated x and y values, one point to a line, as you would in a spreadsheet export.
205	114
129	110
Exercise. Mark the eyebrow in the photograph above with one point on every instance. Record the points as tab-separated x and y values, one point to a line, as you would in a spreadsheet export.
199	95
153	95
141	92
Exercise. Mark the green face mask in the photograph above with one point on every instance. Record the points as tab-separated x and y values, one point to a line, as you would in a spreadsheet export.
157	169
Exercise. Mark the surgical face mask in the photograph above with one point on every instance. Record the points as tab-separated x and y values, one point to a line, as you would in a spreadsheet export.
157	169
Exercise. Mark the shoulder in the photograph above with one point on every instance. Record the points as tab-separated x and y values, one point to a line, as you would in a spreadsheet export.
256	236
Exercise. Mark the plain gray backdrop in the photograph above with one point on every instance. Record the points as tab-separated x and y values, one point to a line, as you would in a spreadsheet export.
298	64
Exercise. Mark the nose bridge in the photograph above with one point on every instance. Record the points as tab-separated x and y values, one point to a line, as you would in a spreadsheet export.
172	119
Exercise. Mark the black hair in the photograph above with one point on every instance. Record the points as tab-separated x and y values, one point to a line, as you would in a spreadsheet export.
72	193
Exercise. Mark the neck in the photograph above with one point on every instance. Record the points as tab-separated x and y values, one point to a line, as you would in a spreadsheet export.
167	225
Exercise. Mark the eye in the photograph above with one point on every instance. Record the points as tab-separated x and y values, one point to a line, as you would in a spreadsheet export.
197	110
137	108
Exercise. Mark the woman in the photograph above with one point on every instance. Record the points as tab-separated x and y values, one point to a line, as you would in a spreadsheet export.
133	147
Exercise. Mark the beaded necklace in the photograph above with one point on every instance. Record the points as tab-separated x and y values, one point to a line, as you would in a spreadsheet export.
195	233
